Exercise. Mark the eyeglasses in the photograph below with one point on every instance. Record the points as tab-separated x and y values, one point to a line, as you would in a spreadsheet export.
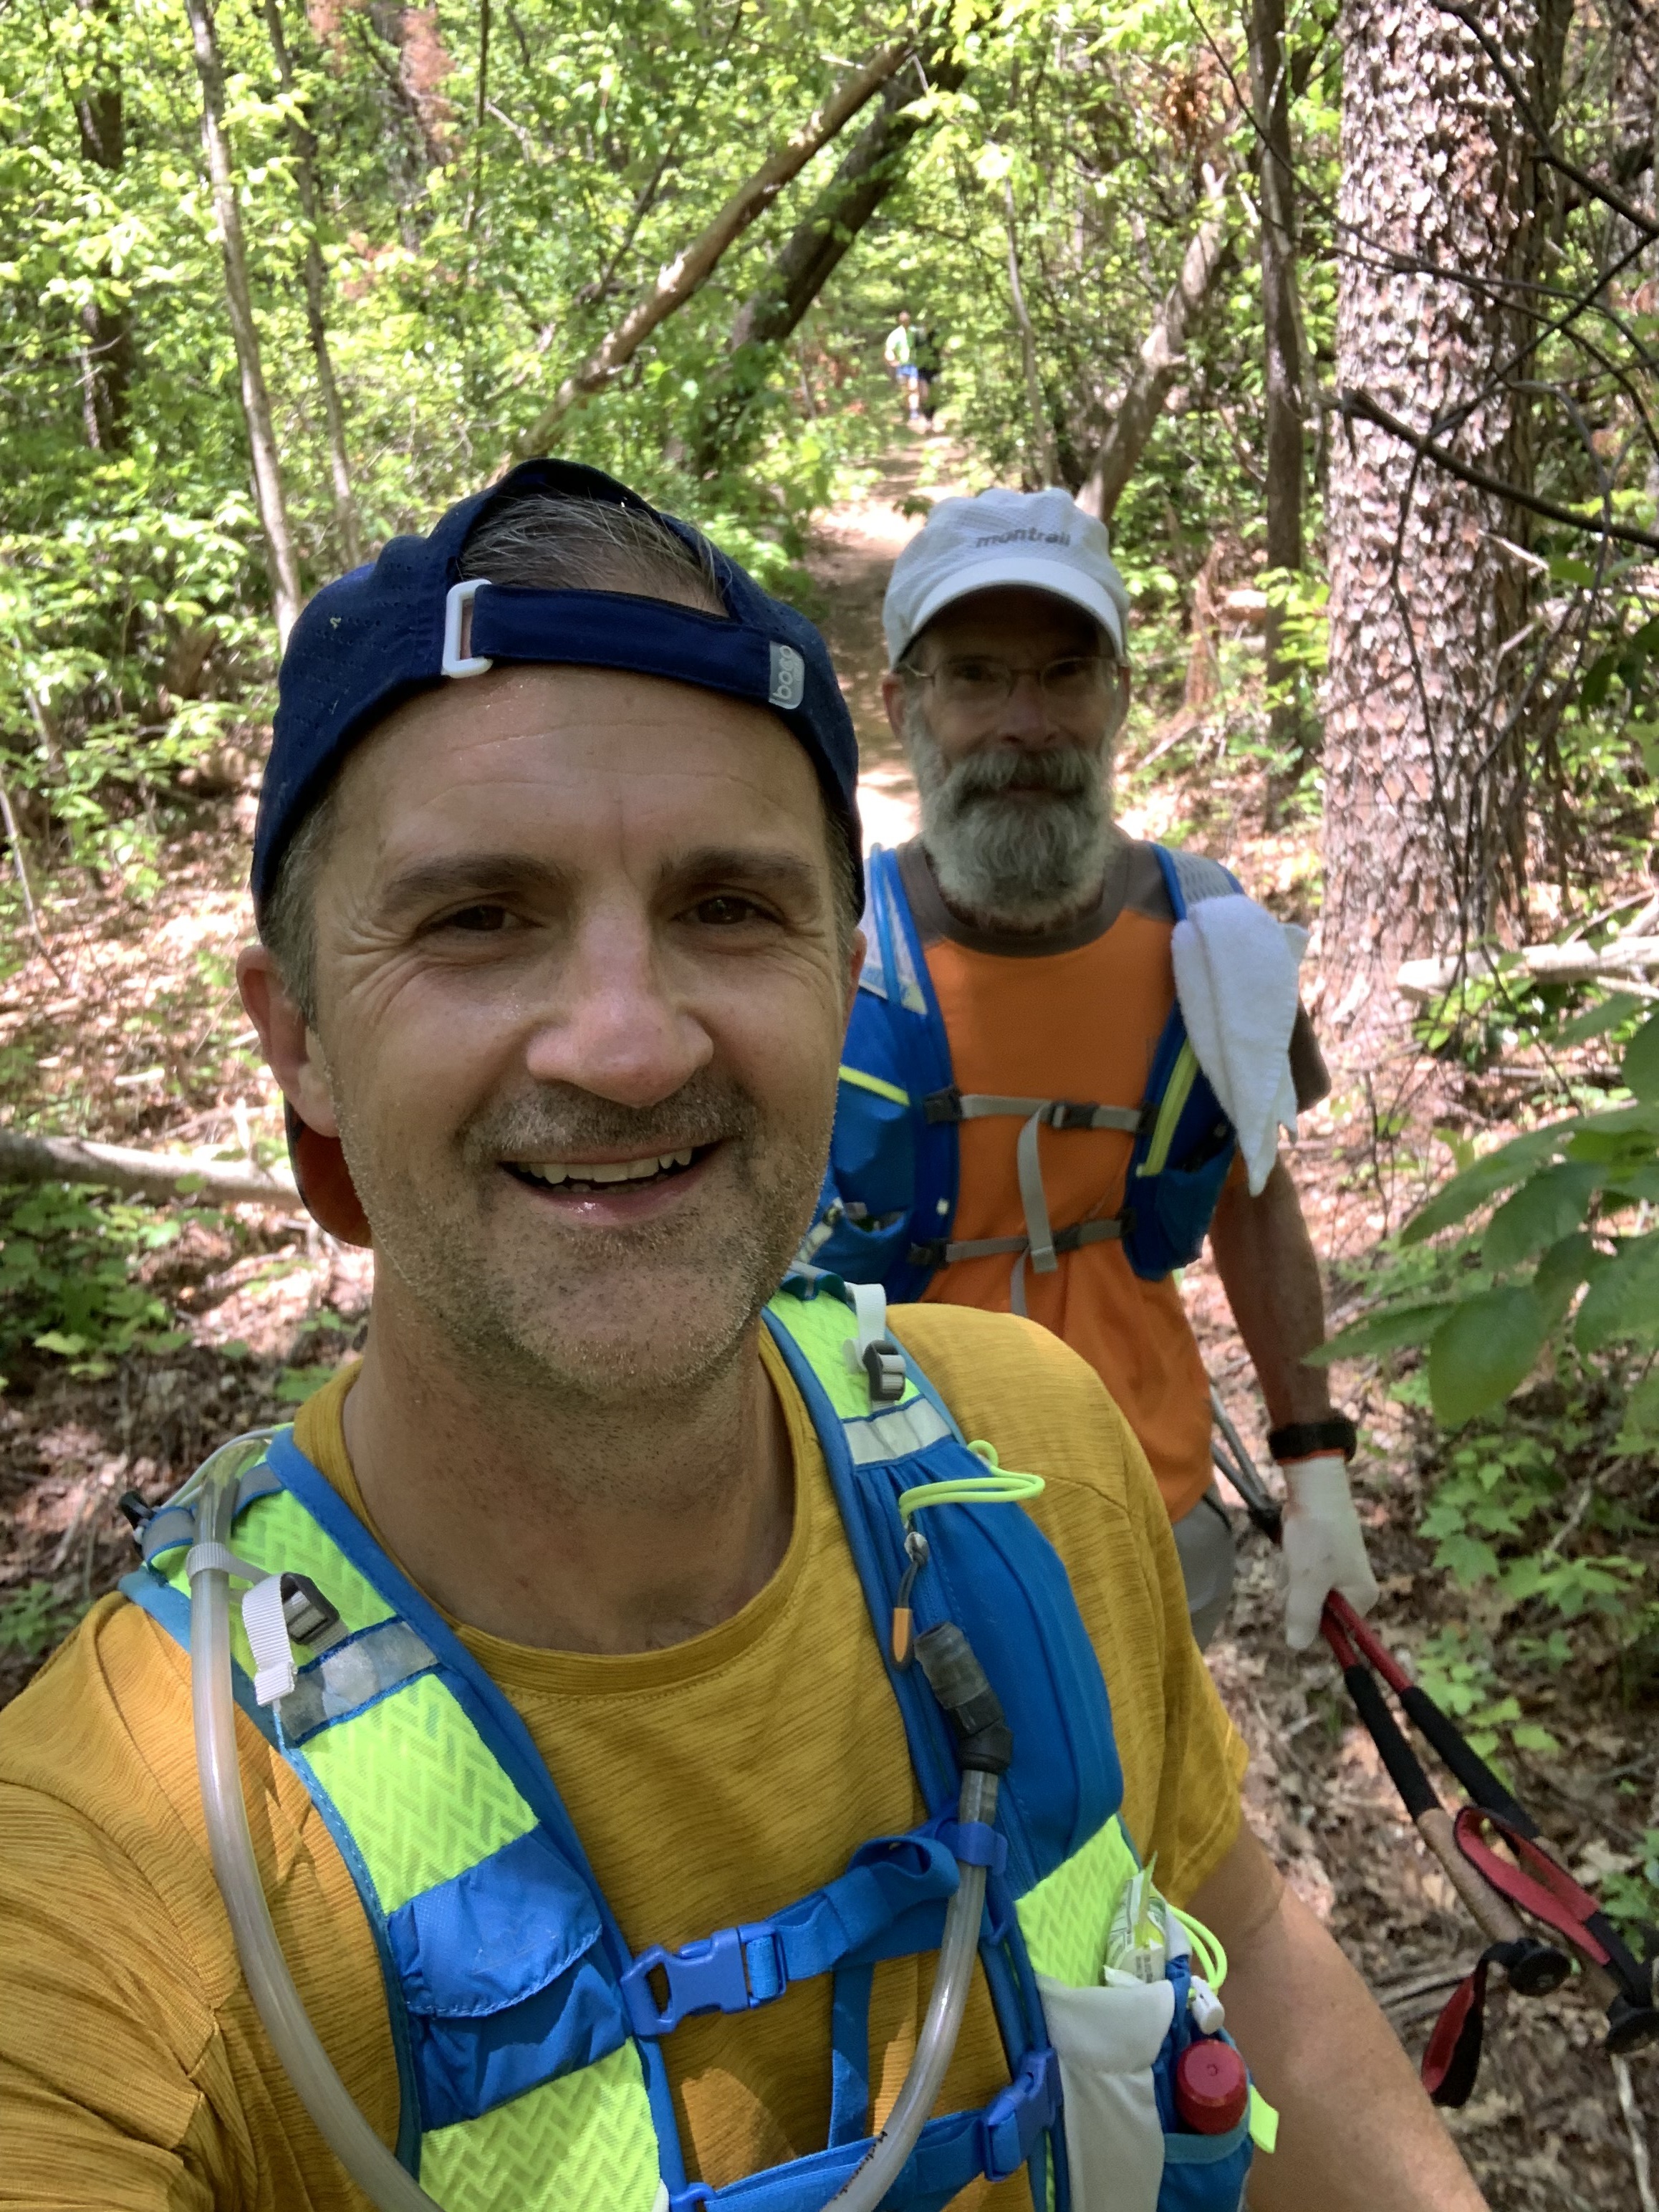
1071	686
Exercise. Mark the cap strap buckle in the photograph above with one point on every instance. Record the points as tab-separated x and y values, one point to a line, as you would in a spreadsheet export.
456	604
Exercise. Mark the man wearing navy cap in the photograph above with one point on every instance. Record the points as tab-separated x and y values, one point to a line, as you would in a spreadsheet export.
546	1775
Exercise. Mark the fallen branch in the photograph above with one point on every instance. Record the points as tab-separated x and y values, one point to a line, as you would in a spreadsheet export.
679	279
138	1173
1424	979
1162	355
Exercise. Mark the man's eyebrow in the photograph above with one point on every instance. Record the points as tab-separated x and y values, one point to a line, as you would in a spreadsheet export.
772	867
462	875
428	884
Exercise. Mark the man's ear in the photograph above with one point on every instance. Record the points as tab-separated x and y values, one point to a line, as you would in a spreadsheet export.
892	698
855	967
290	1045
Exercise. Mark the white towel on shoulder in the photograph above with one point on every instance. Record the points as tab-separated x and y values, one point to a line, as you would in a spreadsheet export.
1236	978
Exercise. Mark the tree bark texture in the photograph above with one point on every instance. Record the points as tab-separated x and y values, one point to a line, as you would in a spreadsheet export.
1281	322
106	321
1160	360
303	142
871	165
1442	220
685	275
282	566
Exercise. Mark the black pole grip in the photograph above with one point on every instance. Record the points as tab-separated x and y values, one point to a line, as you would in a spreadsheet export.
1405	1769
1462	1760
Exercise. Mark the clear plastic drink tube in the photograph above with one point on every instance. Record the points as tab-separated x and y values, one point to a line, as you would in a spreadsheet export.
277	2002
935	2045
375	2168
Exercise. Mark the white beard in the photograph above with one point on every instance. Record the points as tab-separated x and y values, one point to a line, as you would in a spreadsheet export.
1022	864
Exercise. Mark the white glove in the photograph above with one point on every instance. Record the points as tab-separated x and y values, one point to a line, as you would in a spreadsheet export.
1324	1548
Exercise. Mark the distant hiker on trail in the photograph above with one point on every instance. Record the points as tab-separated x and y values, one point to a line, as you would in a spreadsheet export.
925	351
899	353
1071	1054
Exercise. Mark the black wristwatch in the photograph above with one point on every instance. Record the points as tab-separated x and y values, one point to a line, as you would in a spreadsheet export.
1305	1439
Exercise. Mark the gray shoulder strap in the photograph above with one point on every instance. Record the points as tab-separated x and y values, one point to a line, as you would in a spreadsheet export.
1201	879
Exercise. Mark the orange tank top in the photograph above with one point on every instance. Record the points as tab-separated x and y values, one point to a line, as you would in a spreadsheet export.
1080	1018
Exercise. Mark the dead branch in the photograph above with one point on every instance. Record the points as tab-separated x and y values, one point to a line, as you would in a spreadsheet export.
688	271
1426	979
138	1173
1161	356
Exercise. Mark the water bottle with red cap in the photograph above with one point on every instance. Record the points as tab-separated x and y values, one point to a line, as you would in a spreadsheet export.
1211	2087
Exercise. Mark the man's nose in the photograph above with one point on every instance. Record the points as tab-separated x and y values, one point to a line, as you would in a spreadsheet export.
1026	719
615	1024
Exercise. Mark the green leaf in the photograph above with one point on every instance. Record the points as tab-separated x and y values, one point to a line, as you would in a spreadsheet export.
1382	1332
1574	1259
1548	1206
1640	1068
1485	1349
1530	1736
1641	1415
1493	1172
1595	1021
1467	1559
66	1347
1623	1301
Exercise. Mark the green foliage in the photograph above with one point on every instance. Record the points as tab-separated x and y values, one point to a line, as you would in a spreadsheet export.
69	1276
35	1618
1485	1347
1630	1892
1455	1667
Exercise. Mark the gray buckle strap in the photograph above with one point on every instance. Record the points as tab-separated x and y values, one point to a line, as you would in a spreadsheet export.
954	1105
1032	1197
942	1255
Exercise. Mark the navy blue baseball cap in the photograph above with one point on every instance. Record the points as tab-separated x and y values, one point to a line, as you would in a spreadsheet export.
407	623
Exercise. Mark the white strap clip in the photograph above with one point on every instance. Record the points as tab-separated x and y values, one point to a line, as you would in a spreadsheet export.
273	1669
460	598
872	1353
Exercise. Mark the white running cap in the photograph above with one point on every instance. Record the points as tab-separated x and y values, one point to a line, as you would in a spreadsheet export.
1040	539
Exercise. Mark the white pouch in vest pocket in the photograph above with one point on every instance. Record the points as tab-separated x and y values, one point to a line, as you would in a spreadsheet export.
1107	2041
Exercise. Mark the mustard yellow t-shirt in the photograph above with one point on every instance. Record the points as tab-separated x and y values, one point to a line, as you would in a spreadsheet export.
711	1783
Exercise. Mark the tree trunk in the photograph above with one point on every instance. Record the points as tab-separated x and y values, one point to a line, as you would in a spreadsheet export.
1423	786
283	568
1281	321
683	276
106	357
302	139
865	174
1041	447
1160	359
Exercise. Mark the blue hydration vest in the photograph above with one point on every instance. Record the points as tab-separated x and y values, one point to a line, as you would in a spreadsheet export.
888	1200
530	2037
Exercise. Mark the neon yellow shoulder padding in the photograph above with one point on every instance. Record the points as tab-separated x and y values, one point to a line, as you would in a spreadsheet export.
882	1089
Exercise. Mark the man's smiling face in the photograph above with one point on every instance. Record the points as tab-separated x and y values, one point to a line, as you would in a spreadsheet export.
581	993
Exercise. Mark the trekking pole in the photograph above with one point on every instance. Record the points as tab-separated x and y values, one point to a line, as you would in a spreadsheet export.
1490	1886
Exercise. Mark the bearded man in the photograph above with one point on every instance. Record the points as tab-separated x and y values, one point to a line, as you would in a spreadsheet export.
1071	1053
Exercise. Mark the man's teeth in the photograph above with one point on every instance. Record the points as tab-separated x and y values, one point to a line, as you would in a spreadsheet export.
556	1171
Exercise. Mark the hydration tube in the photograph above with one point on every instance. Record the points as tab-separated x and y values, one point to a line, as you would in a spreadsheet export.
935	2047
949	1664
277	2002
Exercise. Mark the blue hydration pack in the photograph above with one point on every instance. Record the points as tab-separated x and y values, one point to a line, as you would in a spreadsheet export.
529	2038
888	1198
